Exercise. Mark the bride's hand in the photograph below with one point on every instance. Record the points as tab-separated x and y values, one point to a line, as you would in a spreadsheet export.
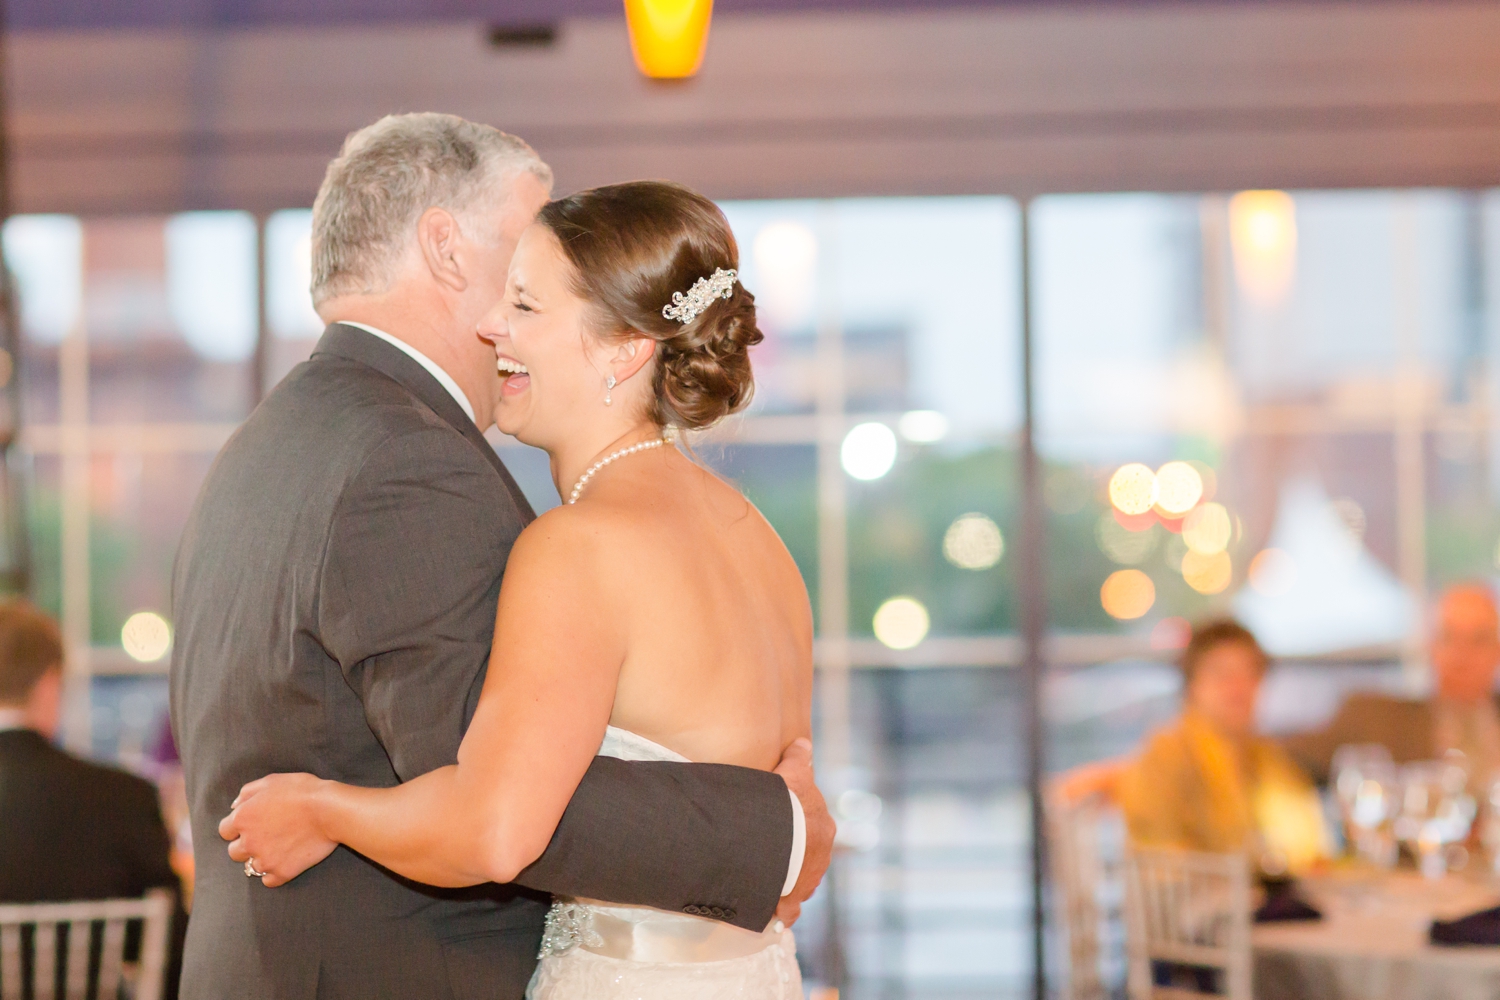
274	821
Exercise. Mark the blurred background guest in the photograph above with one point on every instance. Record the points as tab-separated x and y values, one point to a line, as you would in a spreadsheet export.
1208	781
72	830
1460	714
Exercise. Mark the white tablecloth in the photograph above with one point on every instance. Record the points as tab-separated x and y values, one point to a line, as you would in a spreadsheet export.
1372	942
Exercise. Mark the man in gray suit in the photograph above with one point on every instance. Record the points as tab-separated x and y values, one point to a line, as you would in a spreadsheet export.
335	595
1460	714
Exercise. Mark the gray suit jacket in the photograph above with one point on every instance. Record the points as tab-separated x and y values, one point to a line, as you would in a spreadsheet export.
334	599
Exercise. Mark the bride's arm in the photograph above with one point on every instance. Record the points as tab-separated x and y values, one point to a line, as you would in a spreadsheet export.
541	716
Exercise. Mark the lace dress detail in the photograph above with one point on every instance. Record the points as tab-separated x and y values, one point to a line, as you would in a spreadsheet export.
603	951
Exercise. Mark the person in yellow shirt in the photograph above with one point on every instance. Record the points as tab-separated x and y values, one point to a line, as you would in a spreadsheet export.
1209	781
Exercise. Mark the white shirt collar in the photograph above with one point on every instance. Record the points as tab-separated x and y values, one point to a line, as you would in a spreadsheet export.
12	718
444	379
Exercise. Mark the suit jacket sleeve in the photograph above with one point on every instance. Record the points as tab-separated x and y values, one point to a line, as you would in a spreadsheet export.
407	607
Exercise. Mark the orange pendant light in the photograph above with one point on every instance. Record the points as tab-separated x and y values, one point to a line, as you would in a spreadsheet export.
668	36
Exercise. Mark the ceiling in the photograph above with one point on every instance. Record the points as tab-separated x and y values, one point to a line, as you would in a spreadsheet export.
1020	99
200	14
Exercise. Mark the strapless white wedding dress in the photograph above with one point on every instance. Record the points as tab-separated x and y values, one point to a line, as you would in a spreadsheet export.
605	951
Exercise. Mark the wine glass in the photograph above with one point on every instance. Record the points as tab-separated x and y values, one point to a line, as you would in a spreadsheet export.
1436	811
1367	787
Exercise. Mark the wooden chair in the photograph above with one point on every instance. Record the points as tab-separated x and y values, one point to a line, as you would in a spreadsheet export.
33	945
1187	909
1085	838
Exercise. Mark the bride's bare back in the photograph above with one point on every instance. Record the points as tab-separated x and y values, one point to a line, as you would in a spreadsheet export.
663	603
718	644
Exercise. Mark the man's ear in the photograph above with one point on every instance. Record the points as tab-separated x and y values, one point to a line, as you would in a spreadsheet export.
632	356
438	237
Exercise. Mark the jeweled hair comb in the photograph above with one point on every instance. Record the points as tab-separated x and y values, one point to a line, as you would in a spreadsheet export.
686	308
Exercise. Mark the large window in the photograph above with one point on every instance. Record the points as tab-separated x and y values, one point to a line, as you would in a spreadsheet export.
1274	406
139	340
1318	370
883	446
1280	406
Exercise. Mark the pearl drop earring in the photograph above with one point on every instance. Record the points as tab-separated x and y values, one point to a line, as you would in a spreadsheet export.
609	385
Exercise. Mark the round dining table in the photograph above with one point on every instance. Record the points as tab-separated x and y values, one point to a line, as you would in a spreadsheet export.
1372	941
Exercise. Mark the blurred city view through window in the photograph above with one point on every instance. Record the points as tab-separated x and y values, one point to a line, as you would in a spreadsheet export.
1280	406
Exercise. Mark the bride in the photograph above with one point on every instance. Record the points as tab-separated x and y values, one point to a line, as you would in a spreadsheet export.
655	615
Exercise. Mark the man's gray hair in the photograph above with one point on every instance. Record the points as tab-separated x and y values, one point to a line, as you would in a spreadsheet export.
388	174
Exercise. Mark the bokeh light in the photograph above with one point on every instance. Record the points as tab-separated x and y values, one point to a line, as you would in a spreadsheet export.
973	541
1122	545
923	426
146	636
869	451
1132	489
1208	529
1127	594
1263	238
1207	573
901	622
1179	487
1273	572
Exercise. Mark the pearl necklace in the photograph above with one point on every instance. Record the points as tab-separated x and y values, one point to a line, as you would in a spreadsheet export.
583	479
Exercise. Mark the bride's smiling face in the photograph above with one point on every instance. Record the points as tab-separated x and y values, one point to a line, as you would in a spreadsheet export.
540	333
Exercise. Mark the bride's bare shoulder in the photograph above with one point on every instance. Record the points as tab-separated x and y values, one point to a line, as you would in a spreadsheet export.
571	536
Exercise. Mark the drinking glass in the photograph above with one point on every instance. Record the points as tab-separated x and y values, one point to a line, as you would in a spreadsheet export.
1367	787
1436	812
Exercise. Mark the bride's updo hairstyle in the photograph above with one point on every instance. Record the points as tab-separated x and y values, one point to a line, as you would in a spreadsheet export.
633	245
